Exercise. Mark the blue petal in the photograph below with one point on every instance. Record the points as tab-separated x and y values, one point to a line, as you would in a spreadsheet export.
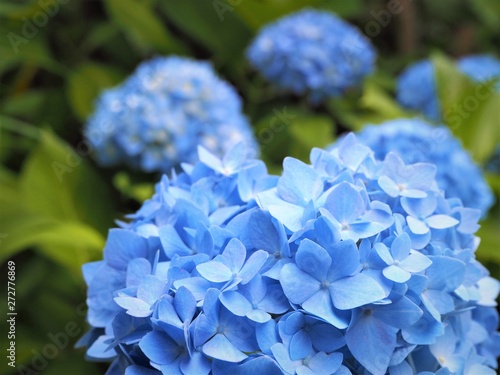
253	265
320	304
159	348
185	304
220	347
441	221
258	316
101	350
345	203
395	273
371	342
355	291
313	259
134	306
214	271
388	186
417	226
400	314
122	246
323	363
299	183
137	269
281	354
235	254
235	303
401	246
196	364
297	285
300	345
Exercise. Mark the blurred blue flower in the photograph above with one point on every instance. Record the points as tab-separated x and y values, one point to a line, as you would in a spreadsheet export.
157	117
312	52
417	86
416	141
349	265
480	68
416	89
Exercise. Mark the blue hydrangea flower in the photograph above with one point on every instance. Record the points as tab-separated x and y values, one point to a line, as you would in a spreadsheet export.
480	67
312	52
347	265
157	117
416	89
416	141
416	86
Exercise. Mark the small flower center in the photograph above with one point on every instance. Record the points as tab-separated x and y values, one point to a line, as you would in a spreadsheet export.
325	284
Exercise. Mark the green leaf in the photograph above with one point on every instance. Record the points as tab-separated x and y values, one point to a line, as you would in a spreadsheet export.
59	184
292	132
469	109
487	11
209	24
85	83
488	233
137	19
140	191
376	99
258	13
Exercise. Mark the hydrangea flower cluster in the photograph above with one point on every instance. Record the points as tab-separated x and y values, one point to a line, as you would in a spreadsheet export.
346	265
416	86
415	140
312	52
158	116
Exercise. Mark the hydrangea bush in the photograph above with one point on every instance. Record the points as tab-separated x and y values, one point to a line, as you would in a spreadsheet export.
158	116
312	52
417	87
349	264
415	140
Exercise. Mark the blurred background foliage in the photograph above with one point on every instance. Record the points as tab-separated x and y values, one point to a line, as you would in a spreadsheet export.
56	56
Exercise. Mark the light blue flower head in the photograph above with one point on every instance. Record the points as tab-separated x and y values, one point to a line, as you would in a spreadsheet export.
346	265
157	117
416	89
416	86
312	52
415	141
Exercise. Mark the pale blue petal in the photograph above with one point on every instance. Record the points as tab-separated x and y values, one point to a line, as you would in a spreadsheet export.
297	285
395	273
313	259
441	221
345	203
388	186
253	265
288	214
415	262
417	226
258	316
320	304
134	306
235	303
355	291
214	271
371	342
299	183
401	246
281	354
235	254
220	347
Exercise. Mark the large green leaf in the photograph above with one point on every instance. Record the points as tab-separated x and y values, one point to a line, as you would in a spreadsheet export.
86	82
60	184
257	13
221	31
470	109
139	20
292	132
